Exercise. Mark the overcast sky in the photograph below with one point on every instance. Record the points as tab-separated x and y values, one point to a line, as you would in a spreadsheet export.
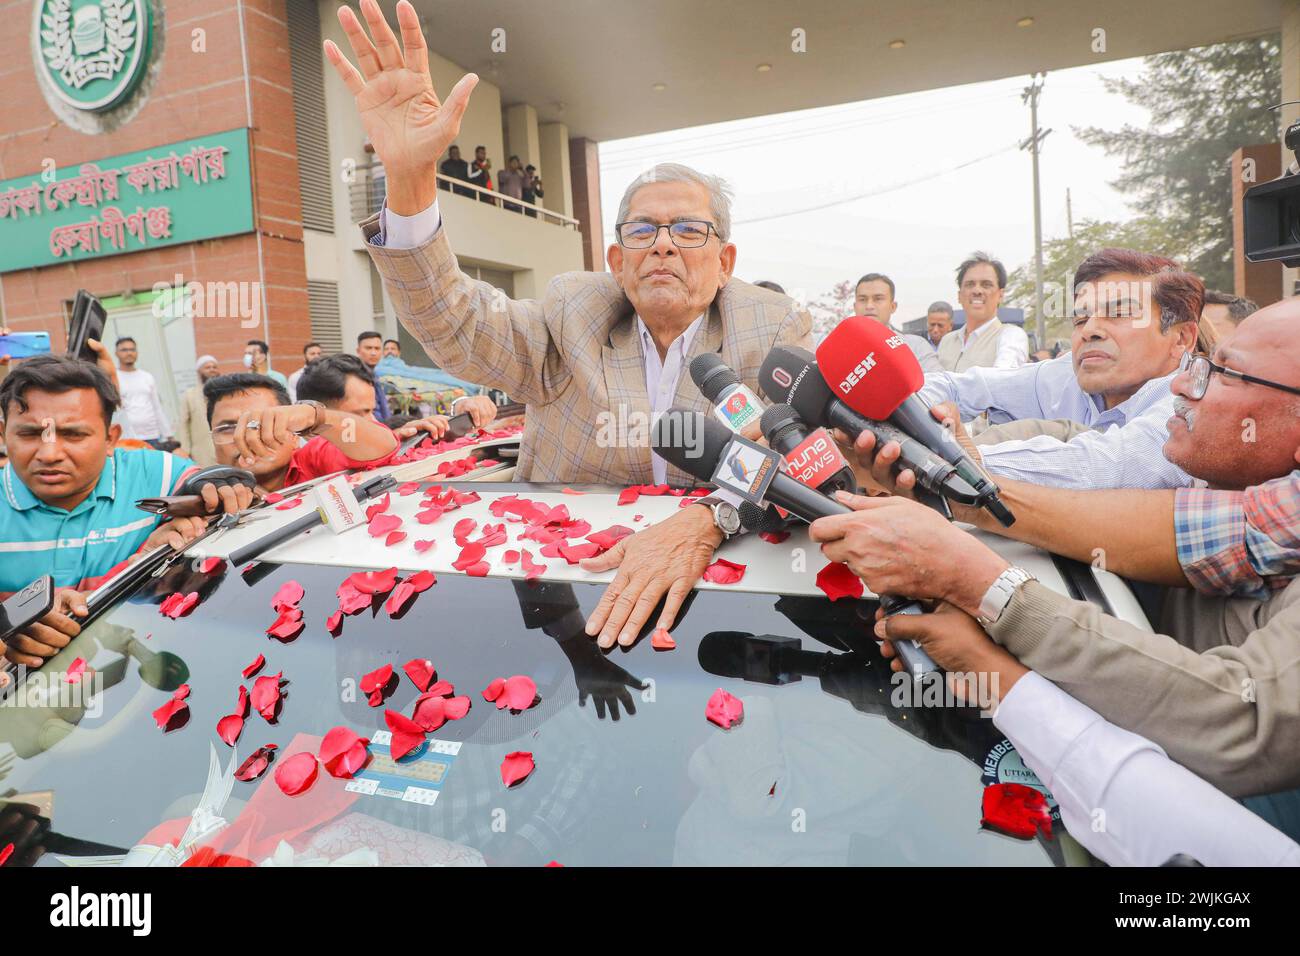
919	214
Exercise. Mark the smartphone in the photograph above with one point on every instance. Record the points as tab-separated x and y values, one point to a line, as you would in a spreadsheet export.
23	345
88	317
26	607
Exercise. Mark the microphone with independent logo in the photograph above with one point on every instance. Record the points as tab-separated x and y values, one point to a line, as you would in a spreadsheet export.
871	369
707	450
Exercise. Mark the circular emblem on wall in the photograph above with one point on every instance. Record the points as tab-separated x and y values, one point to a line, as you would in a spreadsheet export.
92	53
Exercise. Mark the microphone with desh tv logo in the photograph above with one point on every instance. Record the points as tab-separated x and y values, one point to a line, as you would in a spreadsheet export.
733	404
870	368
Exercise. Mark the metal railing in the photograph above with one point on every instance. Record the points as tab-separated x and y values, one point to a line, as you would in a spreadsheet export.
366	197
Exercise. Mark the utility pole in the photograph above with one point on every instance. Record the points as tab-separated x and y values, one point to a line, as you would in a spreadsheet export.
1034	144
1069	213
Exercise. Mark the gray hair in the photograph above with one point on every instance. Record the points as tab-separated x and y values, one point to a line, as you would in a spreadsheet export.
940	306
719	192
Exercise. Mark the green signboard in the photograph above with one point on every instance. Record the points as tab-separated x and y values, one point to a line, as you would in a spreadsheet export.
92	52
182	192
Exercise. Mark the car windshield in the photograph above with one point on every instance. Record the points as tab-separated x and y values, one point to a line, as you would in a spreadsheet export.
826	767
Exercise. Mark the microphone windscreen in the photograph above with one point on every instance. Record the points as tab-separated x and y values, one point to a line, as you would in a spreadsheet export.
869	367
711	376
690	441
776	417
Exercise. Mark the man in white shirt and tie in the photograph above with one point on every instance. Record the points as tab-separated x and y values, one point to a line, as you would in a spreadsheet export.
984	340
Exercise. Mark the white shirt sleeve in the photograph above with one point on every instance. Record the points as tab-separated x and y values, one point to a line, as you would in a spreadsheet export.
407	232
1013	347
1126	456
160	414
1012	393
1121	796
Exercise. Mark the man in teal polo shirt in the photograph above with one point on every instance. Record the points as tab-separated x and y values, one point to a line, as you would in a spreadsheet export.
67	497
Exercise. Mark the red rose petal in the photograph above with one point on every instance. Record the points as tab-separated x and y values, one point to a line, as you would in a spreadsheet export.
518	693
171	715
423	546
374	582
376	680
258	663
774	537
654	490
343	752
661	640
421	673
409	488
289	595
5	853
396	537
637	517
573	553
429	515
351	600
422	581
286	505
838	581
334	623
462	529
273	498
494	689
379	507
629	495
178	605
510	557
723	571
1015	810
455	707
266	695
532	570
399	598
570	491
382	524
610	536
429	712
407	734
256	764
441	688
516	767
296	774
230	727
76	670
209	565
724	710
287	628
479	569
470	554
493	535
241	706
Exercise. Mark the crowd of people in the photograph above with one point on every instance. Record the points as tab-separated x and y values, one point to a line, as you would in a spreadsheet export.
517	180
1163	445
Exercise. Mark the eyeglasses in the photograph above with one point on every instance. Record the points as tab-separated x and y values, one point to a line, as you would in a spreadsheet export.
1201	368
685	234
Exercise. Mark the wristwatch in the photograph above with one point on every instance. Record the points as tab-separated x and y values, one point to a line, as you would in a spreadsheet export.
320	416
726	516
999	594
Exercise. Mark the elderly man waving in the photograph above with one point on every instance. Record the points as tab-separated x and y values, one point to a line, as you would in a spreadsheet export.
597	349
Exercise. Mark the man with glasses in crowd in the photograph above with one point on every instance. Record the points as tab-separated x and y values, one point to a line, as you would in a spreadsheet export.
597	354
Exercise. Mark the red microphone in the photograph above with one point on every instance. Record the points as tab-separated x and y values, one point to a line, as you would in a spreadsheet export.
871	369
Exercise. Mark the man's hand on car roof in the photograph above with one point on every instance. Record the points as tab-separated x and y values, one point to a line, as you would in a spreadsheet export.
665	559
178	532
51	633
902	547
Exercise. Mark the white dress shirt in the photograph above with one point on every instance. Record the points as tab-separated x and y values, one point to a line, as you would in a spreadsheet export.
1121	796
1124	451
141	407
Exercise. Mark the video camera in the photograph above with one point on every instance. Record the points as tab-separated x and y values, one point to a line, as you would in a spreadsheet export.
1271	212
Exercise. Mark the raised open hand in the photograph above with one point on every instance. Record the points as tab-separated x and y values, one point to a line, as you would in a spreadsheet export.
409	127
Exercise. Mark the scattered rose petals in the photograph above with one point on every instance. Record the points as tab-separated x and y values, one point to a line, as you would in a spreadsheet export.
296	774
178	605
423	546
723	571
838	581
175	712
382	524
661	640
76	670
494	689
471	560
407	734
724	710
377	683
256	764
493	535
209	565
230	727
774	537
421	673
258	663
379	507
516	767
266	696
343	752
1015	810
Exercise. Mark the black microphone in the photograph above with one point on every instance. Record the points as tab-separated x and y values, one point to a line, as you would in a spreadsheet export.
733	403
811	456
791	375
697	445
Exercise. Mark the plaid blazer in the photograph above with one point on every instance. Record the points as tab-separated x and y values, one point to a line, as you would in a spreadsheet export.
573	356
